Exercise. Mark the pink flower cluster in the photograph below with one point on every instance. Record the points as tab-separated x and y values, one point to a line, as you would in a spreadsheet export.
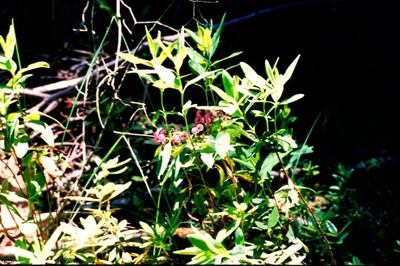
177	137
197	129
202	122
204	117
160	137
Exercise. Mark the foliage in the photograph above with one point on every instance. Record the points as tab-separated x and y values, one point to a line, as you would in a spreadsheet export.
229	177
242	134
29	170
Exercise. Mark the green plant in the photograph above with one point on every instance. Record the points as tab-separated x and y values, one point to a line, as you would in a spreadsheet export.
101	238
29	168
230	157
28	164
227	167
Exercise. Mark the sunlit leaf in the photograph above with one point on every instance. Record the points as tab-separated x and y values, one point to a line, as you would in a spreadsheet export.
290	69
46	133
222	144
288	252
35	66
119	188
198	78
107	189
208	159
151	44
194	36
181	51
188	251
134	59
216	37
252	76
165	74
292	99
222	94
165	155
21	148
8	45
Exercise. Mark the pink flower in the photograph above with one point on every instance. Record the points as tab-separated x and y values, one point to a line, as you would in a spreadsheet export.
184	135
159	137
176	139
197	129
207	118
200	127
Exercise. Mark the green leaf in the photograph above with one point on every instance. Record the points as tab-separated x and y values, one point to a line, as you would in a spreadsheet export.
4	186
10	205
252	76
290	234
239	250
188	251
34	190
198	78
206	243
181	51
8	45
198	241
216	37
261	225
7	64
292	99
239	237
165	74
196	68
290	69
331	227
151	44
36	65
202	258
229	85
194	36
134	59
273	217
223	234
222	94
270	162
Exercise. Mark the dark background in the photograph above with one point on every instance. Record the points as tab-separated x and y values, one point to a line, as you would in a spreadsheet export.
348	71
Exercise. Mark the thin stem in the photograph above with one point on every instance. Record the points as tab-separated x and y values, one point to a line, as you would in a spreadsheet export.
310	211
196	156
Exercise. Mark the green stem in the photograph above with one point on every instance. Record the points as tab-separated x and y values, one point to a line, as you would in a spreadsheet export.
164	114
198	164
